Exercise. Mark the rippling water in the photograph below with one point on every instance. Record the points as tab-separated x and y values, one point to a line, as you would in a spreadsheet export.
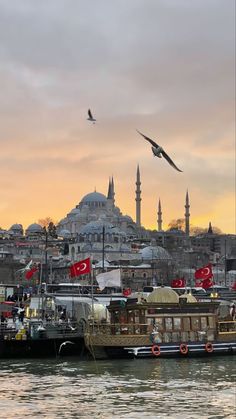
153	388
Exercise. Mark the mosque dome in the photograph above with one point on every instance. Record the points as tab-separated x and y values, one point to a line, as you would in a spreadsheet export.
163	295
155	252
34	228
16	227
175	231
65	233
97	227
74	211
93	197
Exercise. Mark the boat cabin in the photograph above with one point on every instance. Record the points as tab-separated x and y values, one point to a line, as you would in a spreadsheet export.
172	321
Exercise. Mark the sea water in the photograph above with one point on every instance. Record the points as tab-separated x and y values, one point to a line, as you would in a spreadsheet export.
140	388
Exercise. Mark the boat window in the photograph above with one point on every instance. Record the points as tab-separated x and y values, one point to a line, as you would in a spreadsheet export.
203	323
168	323
211	322
195	323
115	317
159	323
150	321
186	324
177	323
131	316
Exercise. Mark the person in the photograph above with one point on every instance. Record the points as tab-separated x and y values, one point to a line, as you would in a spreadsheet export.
21	313
14	312
3	319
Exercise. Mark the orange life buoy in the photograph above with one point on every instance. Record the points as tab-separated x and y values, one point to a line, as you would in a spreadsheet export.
156	350
183	348
209	347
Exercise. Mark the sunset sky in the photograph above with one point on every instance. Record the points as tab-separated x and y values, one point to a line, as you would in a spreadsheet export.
164	67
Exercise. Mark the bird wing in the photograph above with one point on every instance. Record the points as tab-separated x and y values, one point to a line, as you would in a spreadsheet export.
90	114
148	139
170	161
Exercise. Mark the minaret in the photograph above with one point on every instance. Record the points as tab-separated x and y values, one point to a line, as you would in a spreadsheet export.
109	193
210	230
112	191
187	214
138	199
159	216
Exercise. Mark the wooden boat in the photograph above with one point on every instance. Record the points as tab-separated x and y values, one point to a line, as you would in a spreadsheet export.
176	326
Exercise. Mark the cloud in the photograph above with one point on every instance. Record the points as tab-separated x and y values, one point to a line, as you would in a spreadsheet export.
166	68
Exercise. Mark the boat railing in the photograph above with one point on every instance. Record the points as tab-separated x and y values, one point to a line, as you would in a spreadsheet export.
227	327
41	330
144	329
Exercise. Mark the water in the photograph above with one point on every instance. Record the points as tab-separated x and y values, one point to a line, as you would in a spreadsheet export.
152	388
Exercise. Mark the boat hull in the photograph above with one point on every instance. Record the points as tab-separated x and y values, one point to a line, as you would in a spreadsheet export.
104	347
38	348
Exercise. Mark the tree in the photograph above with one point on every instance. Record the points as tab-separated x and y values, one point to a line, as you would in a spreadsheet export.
177	224
195	230
44	222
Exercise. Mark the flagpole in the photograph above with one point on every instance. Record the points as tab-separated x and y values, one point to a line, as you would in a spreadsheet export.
92	296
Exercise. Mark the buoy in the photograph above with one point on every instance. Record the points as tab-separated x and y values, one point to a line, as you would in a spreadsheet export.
183	348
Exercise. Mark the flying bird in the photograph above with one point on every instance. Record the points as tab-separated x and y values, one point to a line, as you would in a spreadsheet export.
64	344
90	117
159	152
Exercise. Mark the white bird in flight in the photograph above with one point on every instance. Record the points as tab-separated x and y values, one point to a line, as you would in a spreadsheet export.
64	344
90	117
159	152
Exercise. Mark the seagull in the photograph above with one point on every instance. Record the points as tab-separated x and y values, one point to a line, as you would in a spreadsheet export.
91	118
64	344
159	152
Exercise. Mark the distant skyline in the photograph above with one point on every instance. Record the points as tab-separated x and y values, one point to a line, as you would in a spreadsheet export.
163	67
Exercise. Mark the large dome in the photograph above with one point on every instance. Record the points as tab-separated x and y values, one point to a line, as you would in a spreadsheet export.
97	227
155	252
94	197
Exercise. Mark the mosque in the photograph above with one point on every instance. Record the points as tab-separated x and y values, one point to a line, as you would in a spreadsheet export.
96	209
97	220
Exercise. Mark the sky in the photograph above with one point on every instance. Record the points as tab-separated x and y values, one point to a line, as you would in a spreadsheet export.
163	67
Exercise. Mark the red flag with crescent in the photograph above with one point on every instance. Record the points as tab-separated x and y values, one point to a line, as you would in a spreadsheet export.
31	272
204	273
207	283
178	283
80	268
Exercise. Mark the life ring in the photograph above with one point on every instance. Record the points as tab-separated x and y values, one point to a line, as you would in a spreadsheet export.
156	350
183	348
209	347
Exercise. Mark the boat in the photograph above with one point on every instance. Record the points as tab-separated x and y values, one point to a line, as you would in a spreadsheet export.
38	338
162	325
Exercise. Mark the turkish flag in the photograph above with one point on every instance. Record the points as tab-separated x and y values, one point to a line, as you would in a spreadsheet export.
127	292
204	273
178	283
80	268
207	283
31	272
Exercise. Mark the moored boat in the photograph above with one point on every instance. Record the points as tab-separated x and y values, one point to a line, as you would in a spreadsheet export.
37	338
163	325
